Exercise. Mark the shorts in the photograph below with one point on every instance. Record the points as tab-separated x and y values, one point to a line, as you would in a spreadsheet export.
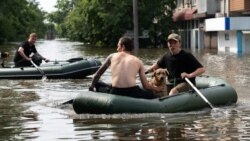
181	87
135	91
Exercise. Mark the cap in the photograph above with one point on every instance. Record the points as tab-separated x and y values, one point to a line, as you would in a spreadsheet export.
174	36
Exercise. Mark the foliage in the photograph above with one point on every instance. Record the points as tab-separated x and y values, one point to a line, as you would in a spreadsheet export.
18	18
102	22
63	9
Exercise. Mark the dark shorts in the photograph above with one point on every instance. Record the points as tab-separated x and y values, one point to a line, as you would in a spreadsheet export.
135	91
24	63
181	87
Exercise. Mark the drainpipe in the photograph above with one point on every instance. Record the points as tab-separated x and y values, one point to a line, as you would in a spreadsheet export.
226	8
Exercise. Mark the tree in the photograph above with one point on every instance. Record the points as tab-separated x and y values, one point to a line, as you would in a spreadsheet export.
102	22
18	18
63	9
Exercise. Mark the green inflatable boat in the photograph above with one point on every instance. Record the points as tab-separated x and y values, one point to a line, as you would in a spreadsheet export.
73	68
216	91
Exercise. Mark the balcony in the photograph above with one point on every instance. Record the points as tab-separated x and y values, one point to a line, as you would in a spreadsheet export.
239	5
184	14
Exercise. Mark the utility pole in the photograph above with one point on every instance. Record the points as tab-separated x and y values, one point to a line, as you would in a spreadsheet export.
135	19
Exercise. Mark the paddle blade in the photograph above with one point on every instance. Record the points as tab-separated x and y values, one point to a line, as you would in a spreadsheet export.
69	60
44	78
75	59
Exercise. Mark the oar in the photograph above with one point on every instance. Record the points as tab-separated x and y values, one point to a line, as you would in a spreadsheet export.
41	71
69	60
199	93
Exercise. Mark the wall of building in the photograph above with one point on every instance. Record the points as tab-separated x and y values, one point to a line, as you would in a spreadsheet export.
208	6
232	33
219	29
246	45
227	41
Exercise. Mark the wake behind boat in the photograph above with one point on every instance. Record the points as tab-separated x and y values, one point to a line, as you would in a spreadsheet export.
216	90
74	68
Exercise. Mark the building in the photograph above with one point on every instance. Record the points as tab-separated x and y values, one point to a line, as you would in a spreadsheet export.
215	24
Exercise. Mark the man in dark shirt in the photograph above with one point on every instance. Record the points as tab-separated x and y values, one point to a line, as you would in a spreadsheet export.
180	64
27	52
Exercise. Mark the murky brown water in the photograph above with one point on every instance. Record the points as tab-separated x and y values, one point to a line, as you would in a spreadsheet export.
31	110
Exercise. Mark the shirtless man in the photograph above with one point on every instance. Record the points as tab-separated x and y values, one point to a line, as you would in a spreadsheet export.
124	68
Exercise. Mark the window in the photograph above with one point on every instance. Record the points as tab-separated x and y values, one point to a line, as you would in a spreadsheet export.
226	36
194	2
180	3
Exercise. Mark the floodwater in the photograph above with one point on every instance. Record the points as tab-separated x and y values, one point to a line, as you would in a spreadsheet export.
31	110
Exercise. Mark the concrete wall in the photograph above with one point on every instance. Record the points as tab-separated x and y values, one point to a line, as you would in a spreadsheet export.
215	24
209	7
227	41
229	23
246	45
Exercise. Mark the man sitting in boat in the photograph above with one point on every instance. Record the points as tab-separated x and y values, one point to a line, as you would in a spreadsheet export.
124	68
180	64
27	52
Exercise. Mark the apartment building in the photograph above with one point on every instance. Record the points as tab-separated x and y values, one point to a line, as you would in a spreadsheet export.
215	24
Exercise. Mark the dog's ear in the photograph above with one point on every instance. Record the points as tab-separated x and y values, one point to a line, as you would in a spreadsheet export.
153	75
167	73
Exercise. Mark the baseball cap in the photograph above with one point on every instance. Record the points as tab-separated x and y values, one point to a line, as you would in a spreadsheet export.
174	36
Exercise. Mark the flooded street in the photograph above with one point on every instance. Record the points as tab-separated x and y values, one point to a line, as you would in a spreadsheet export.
32	110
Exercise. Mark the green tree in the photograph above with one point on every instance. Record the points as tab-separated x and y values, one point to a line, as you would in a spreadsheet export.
63	9
102	22
156	17
99	22
18	18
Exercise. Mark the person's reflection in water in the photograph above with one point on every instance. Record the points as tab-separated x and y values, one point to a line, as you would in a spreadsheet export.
112	129
162	133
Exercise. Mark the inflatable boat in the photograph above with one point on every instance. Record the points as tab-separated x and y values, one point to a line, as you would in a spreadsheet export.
74	68
215	90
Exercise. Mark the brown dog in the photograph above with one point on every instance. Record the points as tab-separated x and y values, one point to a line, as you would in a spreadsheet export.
159	78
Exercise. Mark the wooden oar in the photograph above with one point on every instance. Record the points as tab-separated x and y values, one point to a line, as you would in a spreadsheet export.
41	71
199	93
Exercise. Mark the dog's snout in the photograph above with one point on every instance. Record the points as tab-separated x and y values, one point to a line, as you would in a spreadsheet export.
162	78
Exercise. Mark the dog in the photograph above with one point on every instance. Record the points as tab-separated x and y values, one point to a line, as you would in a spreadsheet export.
159	78
4	57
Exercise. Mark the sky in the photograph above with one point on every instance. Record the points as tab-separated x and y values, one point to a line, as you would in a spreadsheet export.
47	5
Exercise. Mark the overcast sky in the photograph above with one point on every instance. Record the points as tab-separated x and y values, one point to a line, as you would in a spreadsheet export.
47	5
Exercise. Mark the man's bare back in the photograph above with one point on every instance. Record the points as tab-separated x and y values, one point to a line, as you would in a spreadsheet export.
124	68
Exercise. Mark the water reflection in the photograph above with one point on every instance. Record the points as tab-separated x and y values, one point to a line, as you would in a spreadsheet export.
11	117
31	110
189	126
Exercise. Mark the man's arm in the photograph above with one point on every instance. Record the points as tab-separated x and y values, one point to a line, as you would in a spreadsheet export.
152	68
21	52
100	71
144	80
43	58
195	73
